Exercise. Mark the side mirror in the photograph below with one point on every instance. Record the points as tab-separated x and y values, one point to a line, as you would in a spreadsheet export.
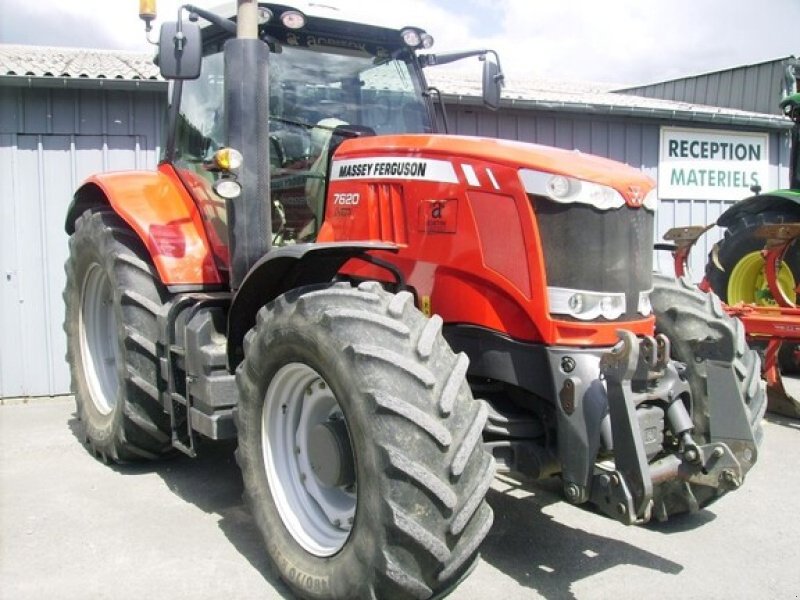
180	53
492	83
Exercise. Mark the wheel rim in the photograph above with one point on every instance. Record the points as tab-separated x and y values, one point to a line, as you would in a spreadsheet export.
98	339
319	515
748	282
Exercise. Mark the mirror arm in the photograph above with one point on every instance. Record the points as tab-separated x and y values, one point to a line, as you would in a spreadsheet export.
430	60
226	24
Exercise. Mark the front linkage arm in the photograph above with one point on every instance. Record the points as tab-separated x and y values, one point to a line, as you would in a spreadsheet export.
637	371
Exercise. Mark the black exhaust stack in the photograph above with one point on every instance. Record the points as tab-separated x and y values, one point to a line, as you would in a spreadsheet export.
247	114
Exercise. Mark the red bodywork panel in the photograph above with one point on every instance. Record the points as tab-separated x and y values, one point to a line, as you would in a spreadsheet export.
469	243
159	209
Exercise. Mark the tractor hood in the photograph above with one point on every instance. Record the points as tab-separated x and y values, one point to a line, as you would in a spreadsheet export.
778	200
571	163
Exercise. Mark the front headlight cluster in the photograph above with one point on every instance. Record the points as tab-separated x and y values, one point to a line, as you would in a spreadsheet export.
569	190
586	305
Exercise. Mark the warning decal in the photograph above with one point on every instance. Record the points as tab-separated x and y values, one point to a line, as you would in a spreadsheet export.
425	169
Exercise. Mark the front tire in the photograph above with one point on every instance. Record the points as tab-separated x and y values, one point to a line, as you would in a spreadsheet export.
360	445
699	329
112	299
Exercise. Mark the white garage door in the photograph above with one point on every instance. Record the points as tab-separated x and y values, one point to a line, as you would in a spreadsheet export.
38	174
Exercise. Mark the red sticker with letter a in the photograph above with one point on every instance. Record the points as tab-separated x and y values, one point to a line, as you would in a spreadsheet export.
437	216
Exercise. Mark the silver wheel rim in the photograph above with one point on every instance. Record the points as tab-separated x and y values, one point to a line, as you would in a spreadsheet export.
319	517
98	339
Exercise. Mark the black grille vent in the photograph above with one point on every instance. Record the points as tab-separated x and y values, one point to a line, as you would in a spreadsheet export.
602	251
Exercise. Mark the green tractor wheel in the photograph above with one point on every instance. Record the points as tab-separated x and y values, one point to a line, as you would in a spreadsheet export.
737	272
748	282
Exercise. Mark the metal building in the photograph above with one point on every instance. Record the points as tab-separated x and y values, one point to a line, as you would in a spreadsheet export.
758	87
66	113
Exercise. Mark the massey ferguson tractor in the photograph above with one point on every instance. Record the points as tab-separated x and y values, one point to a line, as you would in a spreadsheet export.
384	315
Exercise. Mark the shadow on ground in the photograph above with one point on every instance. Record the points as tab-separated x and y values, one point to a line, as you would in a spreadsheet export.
783	421
524	543
547	556
212	482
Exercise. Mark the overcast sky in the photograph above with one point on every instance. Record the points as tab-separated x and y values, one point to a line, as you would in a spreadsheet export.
614	41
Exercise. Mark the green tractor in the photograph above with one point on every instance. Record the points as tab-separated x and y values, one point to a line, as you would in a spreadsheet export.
735	270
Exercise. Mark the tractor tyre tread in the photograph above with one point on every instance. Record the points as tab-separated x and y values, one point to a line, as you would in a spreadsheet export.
421	514
699	330
137	428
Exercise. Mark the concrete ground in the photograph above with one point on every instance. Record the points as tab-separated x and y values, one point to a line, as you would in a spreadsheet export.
71	527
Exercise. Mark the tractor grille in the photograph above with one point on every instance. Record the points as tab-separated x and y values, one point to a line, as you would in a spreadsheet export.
602	251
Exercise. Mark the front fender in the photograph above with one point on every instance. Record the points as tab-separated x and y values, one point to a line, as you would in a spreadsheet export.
164	216
281	270
786	201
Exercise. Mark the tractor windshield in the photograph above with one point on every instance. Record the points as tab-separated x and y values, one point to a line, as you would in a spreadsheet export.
313	88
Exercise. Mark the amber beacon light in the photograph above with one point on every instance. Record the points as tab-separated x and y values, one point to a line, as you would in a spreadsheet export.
147	12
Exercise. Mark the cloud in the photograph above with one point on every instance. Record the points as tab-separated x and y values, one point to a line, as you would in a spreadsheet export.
625	41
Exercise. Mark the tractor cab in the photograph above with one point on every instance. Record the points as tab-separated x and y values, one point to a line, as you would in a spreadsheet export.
327	80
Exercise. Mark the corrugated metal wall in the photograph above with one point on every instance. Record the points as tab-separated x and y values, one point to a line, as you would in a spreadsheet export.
628	140
757	88
50	140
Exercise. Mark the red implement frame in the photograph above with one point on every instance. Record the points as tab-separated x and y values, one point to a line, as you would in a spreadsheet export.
773	324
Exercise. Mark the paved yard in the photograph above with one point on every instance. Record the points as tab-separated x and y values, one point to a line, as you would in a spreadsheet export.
71	527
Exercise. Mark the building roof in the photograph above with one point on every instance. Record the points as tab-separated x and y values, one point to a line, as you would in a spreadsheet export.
40	65
593	98
757	87
20	63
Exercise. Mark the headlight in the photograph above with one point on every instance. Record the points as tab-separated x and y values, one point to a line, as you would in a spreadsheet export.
586	305
411	37
293	19
227	188
568	190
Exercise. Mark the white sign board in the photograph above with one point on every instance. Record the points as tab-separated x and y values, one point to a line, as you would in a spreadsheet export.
705	164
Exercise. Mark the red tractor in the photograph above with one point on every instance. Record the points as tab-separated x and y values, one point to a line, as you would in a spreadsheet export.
384	315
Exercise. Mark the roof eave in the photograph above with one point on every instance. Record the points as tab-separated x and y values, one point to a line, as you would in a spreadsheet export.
44	81
749	120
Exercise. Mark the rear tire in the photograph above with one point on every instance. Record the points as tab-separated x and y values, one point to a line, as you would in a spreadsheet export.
112	300
741	278
699	329
735	282
331	354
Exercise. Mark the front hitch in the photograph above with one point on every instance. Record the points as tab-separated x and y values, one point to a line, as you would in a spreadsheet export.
638	370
